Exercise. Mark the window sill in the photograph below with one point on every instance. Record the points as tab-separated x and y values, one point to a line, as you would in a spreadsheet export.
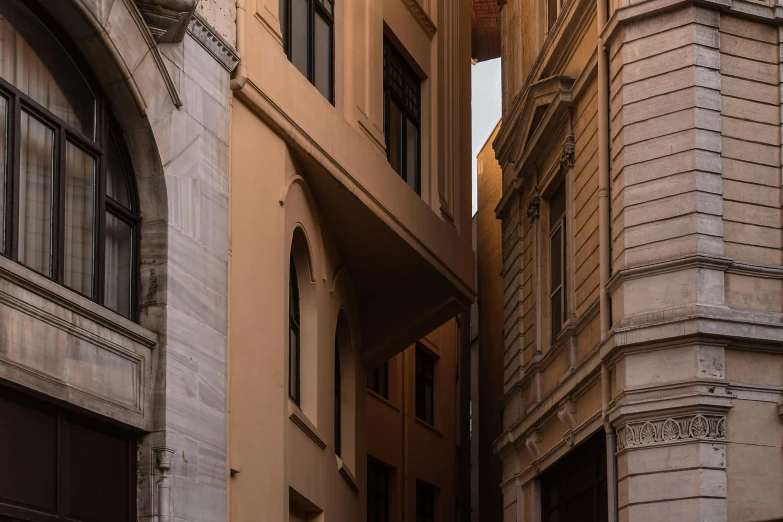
347	475
382	399
429	426
31	281
303	423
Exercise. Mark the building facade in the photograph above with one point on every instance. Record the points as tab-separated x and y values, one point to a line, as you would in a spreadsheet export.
641	233
416	446
349	234
113	274
486	382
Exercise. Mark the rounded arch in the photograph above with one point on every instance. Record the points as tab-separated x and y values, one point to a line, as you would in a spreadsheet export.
302	327
346	368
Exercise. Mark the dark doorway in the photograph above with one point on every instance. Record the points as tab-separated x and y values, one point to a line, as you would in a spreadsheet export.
574	489
56	465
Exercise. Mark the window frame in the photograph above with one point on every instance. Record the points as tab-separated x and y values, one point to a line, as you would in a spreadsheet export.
425	360
338	397
378	380
294	323
425	513
105	128
555	226
315	8
376	466
411	83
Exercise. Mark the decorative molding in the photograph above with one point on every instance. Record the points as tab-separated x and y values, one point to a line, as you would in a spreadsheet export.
533	208
567	416
421	17
214	44
533	445
672	430
568	154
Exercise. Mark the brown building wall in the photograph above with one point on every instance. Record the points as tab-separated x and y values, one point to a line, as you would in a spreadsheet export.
411	448
489	357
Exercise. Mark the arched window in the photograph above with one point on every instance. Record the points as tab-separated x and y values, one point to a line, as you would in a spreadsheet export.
294	336
68	205
338	397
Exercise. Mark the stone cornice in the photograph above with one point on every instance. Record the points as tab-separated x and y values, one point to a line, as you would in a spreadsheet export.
421	17
213	43
667	266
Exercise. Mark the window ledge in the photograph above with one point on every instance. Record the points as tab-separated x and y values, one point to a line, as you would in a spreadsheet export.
429	426
34	282
304	424
347	475
383	399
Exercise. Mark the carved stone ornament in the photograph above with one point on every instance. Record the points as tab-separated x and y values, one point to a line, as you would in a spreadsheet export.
167	19
670	430
532	443
567	416
534	208
421	17
568	154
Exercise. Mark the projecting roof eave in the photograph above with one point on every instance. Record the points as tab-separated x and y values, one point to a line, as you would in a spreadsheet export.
485	25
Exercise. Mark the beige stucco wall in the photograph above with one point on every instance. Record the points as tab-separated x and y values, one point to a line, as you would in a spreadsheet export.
397	264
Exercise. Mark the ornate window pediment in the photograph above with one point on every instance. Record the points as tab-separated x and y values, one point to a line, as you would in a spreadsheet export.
544	103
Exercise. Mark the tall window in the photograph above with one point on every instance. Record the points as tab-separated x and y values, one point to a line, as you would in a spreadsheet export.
377	491
557	256
425	386
308	40
294	338
338	397
425	503
553	6
402	116
68	206
378	380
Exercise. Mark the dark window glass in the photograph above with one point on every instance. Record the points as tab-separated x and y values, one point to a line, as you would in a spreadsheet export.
574	489
44	477
79	219
378	380
293	335
308	40
425	386
338	418
402	108
425	503
557	257
67	203
377	491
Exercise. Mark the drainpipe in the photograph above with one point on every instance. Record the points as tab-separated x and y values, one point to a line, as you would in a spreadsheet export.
611	445
604	247
240	73
604	224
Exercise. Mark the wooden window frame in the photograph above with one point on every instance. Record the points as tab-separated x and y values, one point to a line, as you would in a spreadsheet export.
559	225
425	361
407	97
105	129
315	8
378	380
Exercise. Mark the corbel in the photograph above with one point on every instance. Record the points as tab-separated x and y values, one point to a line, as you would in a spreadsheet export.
567	416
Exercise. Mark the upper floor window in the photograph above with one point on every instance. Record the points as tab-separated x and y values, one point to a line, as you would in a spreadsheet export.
552	12
425	386
557	258
425	503
294	336
308	40
68	205
402	115
377	491
378	380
